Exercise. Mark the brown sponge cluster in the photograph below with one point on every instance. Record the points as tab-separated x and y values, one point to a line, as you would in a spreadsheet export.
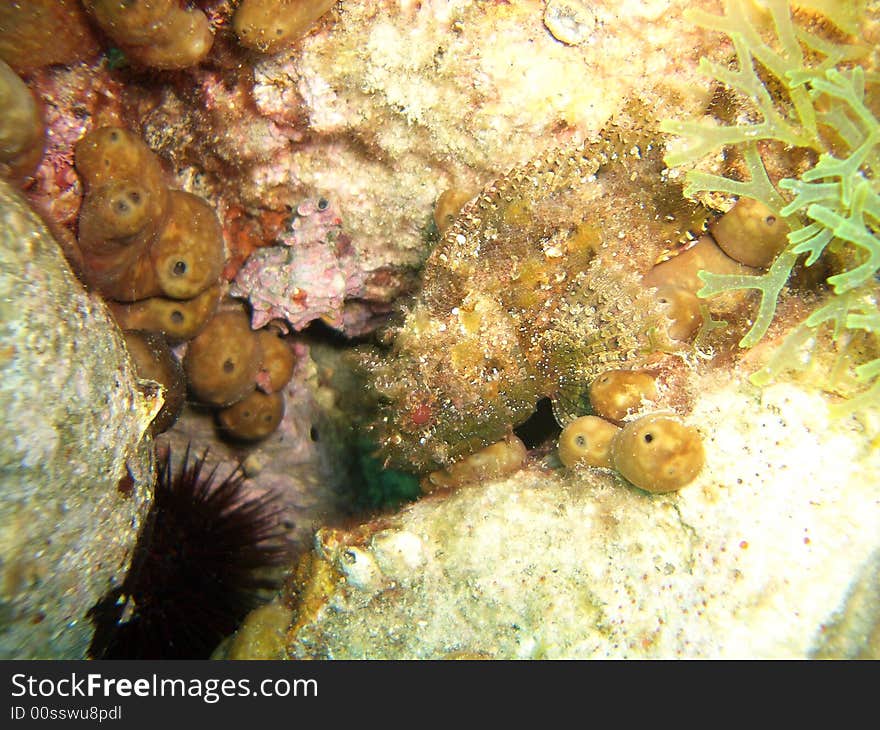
142	242
178	320
655	452
157	256
124	208
241	372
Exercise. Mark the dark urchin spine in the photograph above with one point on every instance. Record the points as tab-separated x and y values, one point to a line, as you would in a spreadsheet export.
200	564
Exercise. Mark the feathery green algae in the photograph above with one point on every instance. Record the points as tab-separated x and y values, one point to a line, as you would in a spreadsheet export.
834	206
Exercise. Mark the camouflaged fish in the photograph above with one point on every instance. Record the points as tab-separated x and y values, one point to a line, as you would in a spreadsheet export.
533	290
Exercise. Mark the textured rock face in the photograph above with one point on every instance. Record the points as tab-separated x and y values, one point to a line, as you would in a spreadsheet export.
73	426
771	552
385	105
407	99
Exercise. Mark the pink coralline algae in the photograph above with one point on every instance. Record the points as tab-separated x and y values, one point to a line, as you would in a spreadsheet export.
312	275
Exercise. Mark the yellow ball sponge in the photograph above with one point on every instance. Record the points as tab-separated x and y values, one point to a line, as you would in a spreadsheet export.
750	233
254	417
587	441
155	33
492	462
683	309
278	362
658	454
179	320
681	270
615	393
272	25
188	255
221	364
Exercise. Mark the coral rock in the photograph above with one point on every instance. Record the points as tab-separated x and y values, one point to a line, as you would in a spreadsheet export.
311	276
75	464
262	636
75	100
772	552
381	113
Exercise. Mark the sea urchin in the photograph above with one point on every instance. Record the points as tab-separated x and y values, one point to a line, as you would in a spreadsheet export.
204	556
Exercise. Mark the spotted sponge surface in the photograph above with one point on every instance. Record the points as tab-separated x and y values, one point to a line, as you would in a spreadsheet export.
139	239
188	256
177	320
253	417
586	441
658	454
124	208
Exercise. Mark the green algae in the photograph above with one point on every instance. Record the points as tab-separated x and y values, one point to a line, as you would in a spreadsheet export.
832	208
377	486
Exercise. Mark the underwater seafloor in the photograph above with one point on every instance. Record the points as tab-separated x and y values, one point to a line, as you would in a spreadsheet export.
443	329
